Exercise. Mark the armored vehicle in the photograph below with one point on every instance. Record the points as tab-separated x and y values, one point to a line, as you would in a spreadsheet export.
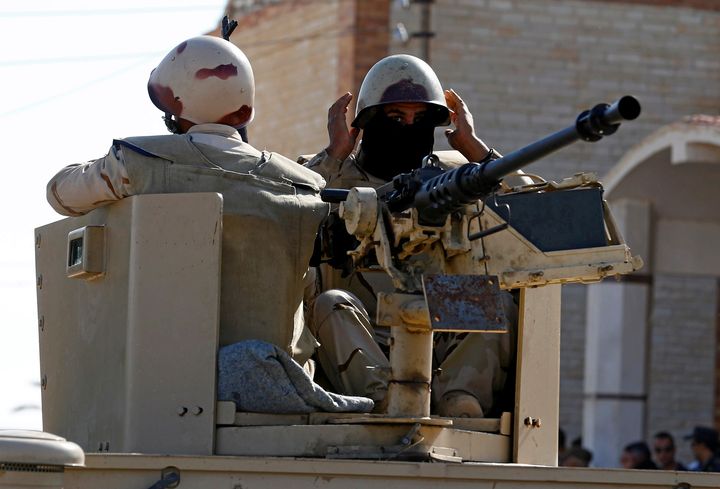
128	310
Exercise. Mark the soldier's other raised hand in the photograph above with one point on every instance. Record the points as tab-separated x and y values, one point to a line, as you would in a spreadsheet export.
463	137
342	138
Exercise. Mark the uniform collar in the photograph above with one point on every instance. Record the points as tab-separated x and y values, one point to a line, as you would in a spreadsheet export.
217	129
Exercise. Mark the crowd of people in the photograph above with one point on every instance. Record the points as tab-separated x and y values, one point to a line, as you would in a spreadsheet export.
704	443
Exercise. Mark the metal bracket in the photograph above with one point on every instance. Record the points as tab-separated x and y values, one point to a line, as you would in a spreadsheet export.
402	310
443	454
465	303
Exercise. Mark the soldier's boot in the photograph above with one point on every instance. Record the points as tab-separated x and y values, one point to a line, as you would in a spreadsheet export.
459	404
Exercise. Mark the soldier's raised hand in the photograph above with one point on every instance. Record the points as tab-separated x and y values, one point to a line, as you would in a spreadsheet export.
342	138
463	137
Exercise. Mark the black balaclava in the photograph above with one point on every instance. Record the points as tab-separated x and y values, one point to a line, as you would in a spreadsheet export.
389	147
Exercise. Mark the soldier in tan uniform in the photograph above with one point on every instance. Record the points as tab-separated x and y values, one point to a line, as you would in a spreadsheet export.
271	205
400	104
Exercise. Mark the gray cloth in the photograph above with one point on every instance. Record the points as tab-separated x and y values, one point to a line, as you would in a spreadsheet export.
260	377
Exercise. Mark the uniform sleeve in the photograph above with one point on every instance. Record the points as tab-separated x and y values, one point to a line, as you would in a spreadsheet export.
78	189
324	164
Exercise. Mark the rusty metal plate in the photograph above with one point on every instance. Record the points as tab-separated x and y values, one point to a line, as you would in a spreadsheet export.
465	303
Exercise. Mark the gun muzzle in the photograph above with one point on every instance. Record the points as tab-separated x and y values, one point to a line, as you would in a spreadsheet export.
625	108
603	119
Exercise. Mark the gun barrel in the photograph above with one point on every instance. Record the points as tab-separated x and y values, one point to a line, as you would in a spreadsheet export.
496	170
449	191
590	125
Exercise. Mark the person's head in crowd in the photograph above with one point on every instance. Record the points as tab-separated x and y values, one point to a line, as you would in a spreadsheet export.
576	457
636	455
704	443
664	448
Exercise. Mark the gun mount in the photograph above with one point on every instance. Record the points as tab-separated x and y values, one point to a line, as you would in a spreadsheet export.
437	235
416	211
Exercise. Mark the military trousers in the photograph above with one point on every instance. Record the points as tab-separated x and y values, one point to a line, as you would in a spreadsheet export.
354	363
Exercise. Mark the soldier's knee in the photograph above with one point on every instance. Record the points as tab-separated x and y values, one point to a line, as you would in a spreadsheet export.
328	301
333	300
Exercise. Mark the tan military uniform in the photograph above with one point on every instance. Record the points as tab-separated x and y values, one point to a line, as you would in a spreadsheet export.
476	363
271	212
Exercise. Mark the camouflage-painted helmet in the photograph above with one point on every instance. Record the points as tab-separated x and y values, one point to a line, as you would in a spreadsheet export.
202	80
400	78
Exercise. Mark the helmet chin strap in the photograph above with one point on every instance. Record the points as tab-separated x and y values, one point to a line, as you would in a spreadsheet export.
171	124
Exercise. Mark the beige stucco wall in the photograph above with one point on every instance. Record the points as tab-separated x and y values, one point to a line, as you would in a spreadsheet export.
528	67
295	51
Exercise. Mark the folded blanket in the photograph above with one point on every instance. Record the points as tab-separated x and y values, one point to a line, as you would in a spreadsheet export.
260	377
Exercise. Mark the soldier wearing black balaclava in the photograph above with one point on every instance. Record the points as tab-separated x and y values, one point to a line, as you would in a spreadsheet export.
400	104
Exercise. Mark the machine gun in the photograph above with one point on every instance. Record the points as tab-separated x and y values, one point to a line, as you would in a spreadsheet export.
432	194
436	234
437	193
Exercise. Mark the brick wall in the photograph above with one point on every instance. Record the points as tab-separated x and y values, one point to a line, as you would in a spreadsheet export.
682	356
373	37
696	4
527	68
294	48
305	54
